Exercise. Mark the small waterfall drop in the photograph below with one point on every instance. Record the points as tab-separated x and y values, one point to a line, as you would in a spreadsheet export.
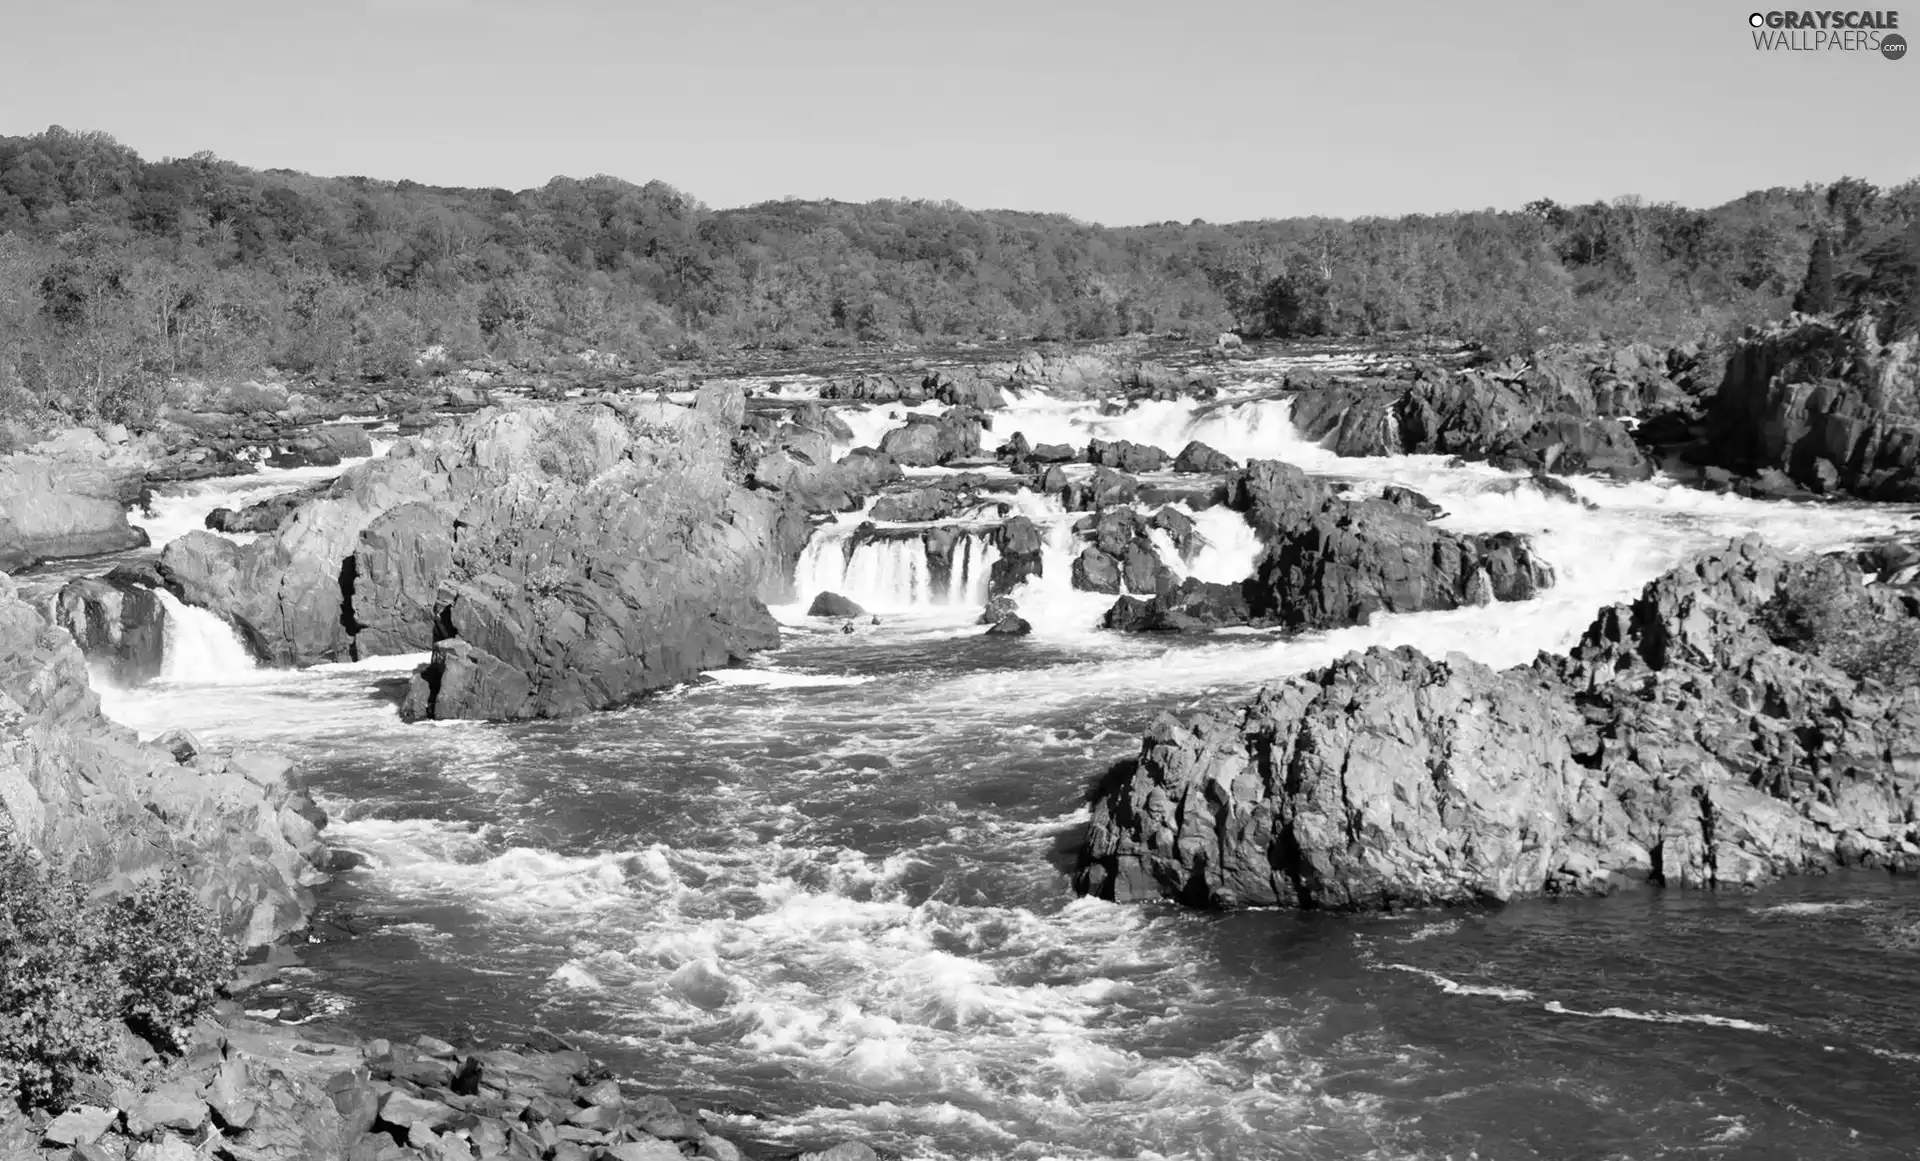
1226	548
919	570
200	647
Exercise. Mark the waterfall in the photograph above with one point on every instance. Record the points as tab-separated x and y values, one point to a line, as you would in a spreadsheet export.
1226	549
973	560
897	573
200	647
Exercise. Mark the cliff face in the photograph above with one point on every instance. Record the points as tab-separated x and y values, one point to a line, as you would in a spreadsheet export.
87	794
1828	404
1678	743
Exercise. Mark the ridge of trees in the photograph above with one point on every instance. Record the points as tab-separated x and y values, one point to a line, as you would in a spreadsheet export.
117	273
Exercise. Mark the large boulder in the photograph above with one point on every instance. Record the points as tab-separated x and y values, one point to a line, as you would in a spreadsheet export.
55	509
1331	562
927	441
916	505
1126	455
1022	549
1670	746
554	558
586	583
118	623
266	515
1198	457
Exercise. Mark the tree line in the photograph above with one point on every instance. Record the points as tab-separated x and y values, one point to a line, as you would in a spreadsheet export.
118	273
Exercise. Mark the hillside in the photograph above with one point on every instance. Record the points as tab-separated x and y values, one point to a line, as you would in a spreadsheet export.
118	272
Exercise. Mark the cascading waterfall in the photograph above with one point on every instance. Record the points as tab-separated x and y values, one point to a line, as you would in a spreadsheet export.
973	560
897	572
1255	428
199	646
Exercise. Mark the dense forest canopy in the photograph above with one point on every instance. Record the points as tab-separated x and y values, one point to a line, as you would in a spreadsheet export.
117	273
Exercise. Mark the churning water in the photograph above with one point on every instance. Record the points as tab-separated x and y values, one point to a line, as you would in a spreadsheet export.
825	895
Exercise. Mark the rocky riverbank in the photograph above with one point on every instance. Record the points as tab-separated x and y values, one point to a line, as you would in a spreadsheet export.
86	796
244	1090
1748	716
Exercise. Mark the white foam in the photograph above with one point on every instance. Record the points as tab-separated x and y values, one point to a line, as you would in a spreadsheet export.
1816	908
1705	1018
1456	988
780	678
199	647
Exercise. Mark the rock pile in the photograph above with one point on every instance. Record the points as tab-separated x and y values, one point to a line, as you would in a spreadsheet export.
251	1092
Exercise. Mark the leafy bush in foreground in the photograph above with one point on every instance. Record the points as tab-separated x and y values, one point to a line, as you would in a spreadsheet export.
71	967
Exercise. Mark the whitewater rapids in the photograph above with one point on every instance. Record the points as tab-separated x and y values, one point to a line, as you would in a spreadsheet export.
825	895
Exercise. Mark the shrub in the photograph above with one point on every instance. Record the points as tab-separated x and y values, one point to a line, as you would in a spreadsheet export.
71	967
172	958
1822	609
58	992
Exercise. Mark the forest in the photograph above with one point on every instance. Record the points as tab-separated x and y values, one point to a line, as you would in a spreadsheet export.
118	274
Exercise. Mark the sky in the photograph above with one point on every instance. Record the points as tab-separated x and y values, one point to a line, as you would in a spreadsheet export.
1116	111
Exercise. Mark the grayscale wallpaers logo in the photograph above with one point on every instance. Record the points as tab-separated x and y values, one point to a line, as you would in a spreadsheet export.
1830	31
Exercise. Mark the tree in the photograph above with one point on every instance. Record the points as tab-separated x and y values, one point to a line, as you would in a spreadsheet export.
1817	294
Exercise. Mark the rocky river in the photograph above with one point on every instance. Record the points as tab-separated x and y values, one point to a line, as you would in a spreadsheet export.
832	878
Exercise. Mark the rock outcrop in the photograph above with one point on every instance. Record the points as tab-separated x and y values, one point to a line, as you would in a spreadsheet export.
88	796
117	622
1331	562
555	559
1678	744
1828	404
1563	411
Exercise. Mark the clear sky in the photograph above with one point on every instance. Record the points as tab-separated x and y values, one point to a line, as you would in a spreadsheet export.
1119	111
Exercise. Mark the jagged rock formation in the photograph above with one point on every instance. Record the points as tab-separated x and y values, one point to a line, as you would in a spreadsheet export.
555	558
117	622
1560	412
1678	743
1828	404
87	795
1331	562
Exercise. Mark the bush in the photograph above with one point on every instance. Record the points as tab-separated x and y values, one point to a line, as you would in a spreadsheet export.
172	959
71	967
1822	609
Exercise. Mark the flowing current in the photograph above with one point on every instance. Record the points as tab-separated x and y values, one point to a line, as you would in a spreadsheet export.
825	896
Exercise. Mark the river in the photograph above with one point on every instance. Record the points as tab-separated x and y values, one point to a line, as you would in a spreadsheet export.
826	895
